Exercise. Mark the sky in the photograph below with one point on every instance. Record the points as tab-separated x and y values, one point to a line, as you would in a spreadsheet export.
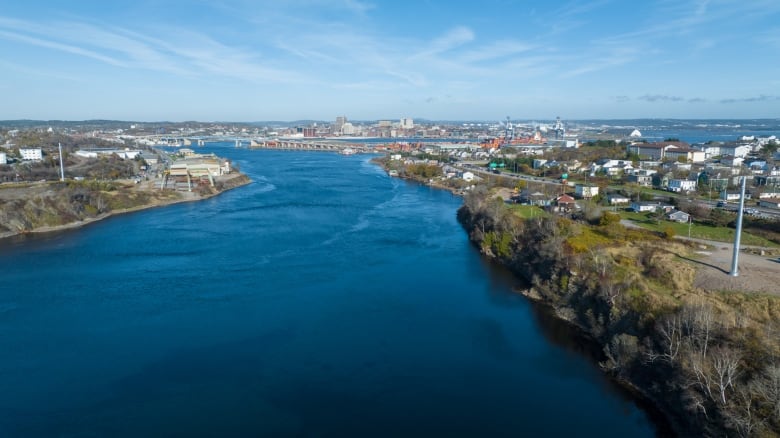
259	60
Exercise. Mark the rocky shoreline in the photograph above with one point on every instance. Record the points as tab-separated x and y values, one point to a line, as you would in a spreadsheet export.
702	358
230	182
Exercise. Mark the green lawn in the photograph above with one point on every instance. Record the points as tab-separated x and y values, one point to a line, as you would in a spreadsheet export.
527	211
698	231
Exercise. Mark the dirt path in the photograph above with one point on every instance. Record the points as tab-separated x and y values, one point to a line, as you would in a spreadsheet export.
756	273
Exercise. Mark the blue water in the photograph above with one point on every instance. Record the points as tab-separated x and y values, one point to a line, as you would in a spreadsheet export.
324	299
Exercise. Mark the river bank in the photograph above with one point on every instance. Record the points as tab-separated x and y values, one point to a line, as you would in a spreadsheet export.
590	347
50	207
703	356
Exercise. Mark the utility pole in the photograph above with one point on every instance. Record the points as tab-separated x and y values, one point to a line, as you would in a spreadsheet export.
690	222
735	259
62	168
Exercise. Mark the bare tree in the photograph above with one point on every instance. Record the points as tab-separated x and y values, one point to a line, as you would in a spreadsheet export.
725	364
742	413
716	374
698	322
670	329
610	291
768	385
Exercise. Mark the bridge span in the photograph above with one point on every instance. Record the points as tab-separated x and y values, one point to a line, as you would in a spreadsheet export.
307	145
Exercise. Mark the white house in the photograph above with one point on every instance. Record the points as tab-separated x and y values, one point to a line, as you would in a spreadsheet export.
616	199
650	206
733	196
31	154
681	185
468	176
583	191
739	151
678	216
710	150
3	158
641	207
732	161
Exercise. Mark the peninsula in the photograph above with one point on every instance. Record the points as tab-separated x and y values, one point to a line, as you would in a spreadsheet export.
66	181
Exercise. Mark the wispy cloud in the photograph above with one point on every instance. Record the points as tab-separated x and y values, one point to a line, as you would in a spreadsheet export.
453	38
761	98
122	48
660	98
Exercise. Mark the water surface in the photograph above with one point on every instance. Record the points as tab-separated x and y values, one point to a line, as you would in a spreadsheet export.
324	299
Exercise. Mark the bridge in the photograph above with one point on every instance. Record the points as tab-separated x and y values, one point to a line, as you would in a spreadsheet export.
309	145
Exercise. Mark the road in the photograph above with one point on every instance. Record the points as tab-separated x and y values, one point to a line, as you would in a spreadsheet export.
479	168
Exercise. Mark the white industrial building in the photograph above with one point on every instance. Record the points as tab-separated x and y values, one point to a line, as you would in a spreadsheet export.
31	154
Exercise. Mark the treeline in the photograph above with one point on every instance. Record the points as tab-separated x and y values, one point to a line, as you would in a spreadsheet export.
710	359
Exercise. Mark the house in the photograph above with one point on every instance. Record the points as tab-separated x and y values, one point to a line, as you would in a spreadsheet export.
650	206
565	202
736	150
658	150
585	191
615	167
534	198
3	158
678	216
732	161
641	207
710	150
764	180
769	203
617	199
31	154
468	176
681	185
767	195
647	150
685	154
726	196
642	180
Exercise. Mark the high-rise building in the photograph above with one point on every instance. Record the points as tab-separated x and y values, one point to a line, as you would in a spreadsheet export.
407	123
347	129
340	121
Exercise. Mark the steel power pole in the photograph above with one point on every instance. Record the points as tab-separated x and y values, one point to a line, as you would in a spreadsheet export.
735	258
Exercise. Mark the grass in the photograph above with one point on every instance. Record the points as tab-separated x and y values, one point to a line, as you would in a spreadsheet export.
587	239
697	230
527	211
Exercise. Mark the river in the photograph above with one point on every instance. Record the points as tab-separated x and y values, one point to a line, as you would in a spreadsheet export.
323	299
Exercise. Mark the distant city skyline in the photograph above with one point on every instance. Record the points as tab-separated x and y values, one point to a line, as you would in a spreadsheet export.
248	61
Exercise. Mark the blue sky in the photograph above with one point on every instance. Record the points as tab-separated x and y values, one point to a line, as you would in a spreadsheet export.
252	60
